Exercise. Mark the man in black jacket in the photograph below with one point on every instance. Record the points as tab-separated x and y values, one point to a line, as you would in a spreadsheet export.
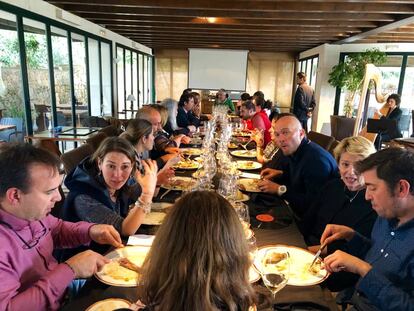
304	101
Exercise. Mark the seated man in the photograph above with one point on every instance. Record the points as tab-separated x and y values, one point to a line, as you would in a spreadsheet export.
31	278
387	270
185	118
307	167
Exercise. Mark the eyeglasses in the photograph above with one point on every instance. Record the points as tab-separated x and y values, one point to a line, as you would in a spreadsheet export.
36	236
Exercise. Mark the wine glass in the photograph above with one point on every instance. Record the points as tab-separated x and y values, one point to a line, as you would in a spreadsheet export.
275	268
242	211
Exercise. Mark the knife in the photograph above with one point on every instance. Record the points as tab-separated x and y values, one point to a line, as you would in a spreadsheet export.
318	253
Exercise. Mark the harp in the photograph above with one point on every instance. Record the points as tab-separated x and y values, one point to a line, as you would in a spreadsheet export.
372	73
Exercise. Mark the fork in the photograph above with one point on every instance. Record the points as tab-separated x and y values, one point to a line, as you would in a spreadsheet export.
245	145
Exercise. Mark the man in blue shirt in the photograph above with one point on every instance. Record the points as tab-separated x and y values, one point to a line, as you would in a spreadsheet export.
307	166
387	271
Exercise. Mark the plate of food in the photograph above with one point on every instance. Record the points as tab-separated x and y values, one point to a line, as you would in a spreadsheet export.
300	260
160	206
248	165
154	218
242	133
249	184
254	276
180	183
241	197
109	305
124	268
244	153
187	164
232	145
191	151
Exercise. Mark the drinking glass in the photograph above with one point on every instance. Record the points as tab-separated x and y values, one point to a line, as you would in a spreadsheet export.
242	211
275	268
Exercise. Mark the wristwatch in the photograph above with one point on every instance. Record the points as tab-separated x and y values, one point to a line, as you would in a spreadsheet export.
282	189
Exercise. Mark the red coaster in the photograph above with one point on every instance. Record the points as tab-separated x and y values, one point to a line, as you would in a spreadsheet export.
265	218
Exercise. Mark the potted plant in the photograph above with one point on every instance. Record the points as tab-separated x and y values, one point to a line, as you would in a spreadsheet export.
349	74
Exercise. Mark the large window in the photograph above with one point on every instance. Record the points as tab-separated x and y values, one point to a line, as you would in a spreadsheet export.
11	95
309	66
393	81
106	82
134	84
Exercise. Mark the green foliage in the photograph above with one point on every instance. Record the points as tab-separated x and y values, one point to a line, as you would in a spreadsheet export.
12	102
350	73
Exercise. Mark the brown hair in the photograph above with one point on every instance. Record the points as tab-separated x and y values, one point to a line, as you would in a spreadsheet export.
114	144
137	128
199	259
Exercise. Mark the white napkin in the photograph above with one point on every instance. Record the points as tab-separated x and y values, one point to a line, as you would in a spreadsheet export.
250	175
141	239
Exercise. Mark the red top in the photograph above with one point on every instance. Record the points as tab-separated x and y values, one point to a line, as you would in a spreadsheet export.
248	125
261	121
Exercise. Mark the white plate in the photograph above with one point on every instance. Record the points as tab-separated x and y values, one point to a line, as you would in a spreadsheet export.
254	276
248	165
187	165
109	304
300	259
154	218
244	153
242	197
248	184
180	183
191	151
160	206
115	275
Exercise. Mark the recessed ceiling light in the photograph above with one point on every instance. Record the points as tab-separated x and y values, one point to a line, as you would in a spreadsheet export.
211	19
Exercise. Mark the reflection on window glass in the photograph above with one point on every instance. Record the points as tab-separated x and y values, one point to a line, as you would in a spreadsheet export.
11	96
106	79
128	81
94	77
38	74
408	92
61	72
79	78
145	87
314	72
141	79
135	79
150	86
120	82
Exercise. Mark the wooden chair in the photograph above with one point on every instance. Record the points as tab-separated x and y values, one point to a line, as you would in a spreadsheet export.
73	157
111	130
322	140
96	139
333	146
48	145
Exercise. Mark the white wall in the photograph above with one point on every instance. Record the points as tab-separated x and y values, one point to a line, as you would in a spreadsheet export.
329	57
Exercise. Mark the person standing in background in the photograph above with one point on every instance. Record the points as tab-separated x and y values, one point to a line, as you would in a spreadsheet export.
304	101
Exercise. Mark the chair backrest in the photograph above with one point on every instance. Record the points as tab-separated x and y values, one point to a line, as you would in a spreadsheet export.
96	139
111	130
94	121
13	121
322	140
48	145
405	122
342	127
73	157
333	146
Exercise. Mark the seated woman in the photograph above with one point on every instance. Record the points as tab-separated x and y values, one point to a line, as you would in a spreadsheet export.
342	201
199	259
102	188
140	134
394	113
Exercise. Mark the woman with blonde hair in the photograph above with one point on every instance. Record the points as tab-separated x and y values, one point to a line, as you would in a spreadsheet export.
199	259
342	202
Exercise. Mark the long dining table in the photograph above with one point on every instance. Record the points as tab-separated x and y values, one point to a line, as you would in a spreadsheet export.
313	297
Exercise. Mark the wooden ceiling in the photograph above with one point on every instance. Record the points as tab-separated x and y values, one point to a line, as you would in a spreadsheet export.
261	25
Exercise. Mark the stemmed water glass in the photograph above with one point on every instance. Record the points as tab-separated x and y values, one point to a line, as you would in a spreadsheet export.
275	269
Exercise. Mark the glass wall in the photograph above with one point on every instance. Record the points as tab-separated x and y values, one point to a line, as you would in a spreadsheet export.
106	82
94	77
11	95
310	67
38	74
134	85
60	55
80	78
393	81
